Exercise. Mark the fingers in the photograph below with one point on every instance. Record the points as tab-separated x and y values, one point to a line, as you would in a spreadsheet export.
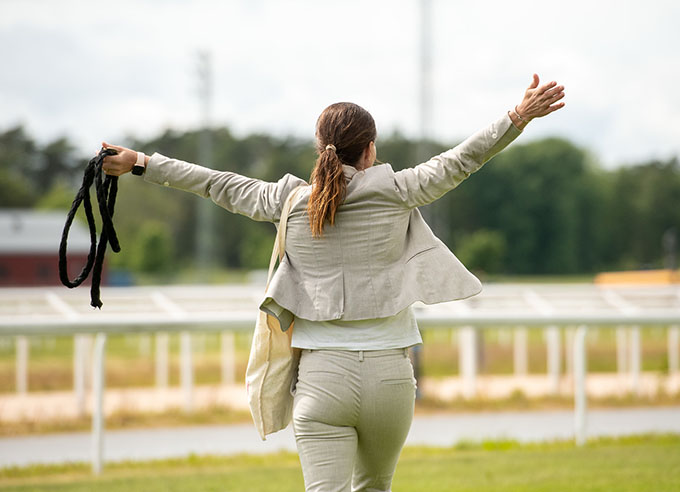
546	87
555	107
105	146
106	166
553	95
556	97
554	91
534	82
112	168
550	98
550	109
113	158
115	147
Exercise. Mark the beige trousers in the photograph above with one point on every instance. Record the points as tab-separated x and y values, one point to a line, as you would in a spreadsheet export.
352	413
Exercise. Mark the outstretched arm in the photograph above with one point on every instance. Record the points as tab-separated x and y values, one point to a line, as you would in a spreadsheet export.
429	181
254	198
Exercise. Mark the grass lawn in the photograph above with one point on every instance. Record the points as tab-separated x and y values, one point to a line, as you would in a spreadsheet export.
639	463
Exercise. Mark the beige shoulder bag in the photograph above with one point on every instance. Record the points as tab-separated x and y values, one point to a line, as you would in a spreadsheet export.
272	365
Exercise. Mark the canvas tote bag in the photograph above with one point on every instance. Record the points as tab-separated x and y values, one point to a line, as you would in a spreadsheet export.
272	365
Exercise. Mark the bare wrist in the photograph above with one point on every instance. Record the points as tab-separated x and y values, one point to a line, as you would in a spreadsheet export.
517	120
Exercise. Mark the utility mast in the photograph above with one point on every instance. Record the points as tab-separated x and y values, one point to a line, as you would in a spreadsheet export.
425	72
425	121
205	247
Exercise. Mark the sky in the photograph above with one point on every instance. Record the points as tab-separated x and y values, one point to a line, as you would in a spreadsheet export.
96	70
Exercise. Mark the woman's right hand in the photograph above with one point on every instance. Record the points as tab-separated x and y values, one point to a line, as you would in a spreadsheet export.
120	163
540	101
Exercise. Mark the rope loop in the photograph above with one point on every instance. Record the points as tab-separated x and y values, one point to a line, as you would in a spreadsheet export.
106	190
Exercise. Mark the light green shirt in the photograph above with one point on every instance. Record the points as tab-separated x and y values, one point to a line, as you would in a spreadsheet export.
397	331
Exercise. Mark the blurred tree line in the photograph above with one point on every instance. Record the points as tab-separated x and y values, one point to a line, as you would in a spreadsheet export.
544	207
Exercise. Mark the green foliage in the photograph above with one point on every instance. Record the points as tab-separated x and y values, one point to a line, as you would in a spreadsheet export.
36	167
58	162
58	197
18	152
483	250
538	208
152	248
644	202
15	191
533	195
258	241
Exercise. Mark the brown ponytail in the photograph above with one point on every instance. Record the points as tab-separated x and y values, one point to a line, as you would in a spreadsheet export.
343	131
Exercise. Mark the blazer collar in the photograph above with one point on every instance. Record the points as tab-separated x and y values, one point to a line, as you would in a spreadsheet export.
349	171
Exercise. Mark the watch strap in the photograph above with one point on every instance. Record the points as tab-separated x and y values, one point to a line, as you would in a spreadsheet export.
140	166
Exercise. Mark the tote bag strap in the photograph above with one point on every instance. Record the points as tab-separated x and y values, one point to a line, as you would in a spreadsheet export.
280	242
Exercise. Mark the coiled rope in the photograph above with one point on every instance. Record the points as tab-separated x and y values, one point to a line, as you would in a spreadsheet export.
106	191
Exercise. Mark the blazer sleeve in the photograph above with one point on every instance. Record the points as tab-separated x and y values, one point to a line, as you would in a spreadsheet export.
426	182
254	198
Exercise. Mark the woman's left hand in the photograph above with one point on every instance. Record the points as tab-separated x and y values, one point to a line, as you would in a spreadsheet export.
119	163
540	101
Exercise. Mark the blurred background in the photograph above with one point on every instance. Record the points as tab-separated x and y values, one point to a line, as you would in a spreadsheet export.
238	85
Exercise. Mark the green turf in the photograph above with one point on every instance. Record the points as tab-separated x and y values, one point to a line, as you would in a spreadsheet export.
639	463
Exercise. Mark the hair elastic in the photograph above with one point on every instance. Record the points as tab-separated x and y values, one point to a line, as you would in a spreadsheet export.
330	147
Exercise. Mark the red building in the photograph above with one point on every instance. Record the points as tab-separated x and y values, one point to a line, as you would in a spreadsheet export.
29	247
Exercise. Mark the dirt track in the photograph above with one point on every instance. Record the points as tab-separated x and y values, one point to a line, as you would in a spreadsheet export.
55	405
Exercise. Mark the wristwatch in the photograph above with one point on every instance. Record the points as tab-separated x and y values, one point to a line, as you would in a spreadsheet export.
140	165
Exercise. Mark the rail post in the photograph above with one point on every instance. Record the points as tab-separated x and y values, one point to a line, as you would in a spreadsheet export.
98	383
21	364
186	372
621	350
161	360
673	349
468	360
520	353
579	361
635	360
79	359
228	358
554	362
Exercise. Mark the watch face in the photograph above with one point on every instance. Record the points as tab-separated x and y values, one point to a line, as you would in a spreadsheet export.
138	170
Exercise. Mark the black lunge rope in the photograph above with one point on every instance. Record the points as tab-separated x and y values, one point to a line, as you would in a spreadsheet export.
106	197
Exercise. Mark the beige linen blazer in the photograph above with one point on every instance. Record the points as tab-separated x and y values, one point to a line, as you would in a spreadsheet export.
379	257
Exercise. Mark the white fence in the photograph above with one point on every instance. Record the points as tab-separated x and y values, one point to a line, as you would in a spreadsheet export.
27	312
